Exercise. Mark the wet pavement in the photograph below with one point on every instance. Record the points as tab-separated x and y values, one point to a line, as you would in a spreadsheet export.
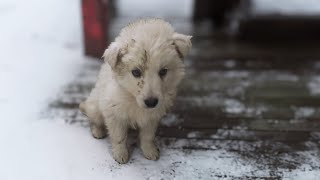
259	101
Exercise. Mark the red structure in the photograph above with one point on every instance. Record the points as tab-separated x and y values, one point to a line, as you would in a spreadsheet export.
95	26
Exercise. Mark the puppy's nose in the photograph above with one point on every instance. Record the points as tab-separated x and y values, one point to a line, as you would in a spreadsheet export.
151	102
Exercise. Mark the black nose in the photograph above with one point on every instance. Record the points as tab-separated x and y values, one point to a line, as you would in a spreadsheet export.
151	102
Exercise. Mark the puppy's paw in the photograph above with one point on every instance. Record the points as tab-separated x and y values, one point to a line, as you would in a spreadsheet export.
150	151
98	132
121	155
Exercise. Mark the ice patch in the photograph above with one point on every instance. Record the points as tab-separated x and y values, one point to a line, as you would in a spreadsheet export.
193	134
257	110
287	77
234	106
237	132
314	85
303	112
230	63
171	120
236	74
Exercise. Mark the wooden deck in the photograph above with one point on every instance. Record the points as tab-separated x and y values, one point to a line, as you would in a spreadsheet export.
259	101
260	109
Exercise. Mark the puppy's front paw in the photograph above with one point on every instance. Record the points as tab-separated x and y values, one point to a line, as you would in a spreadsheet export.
98	132
120	154
150	151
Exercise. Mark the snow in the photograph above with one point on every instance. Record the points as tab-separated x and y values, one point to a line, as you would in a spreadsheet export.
131	8
304	112
233	106
230	63
194	134
287	7
314	85
170	120
41	52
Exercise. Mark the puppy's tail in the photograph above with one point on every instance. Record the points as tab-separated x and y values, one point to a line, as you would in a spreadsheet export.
82	107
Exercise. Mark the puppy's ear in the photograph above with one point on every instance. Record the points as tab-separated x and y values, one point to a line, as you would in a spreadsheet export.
113	55
182	44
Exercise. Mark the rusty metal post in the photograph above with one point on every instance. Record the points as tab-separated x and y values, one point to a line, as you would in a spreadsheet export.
95	17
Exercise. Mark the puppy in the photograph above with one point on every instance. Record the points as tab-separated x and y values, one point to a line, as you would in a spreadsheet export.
137	85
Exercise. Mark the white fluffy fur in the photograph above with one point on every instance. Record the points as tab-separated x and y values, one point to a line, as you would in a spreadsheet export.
117	100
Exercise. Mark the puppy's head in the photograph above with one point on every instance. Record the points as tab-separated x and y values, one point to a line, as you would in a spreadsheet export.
149	70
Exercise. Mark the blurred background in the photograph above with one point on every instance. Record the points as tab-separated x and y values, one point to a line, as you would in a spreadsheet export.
238	27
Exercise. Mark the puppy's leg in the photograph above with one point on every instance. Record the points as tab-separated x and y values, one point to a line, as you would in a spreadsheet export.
118	135
147	144
97	126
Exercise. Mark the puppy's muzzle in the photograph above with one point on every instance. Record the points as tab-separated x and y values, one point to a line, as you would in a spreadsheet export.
151	102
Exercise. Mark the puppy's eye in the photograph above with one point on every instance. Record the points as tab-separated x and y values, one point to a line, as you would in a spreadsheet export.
136	73
163	72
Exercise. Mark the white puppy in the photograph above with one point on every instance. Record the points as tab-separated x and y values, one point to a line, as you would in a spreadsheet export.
137	85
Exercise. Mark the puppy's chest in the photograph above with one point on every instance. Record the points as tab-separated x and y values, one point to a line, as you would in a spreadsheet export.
139	116
136	113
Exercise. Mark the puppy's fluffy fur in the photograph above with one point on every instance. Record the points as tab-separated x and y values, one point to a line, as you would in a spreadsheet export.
117	102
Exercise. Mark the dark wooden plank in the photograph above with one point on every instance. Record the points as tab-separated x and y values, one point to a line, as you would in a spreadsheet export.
237	134
238	49
199	120
284	22
280	28
249	147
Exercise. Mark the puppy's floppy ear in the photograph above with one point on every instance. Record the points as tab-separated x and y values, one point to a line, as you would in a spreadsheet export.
182	44
112	55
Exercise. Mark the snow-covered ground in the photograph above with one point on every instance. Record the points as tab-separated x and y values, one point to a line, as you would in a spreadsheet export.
40	52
